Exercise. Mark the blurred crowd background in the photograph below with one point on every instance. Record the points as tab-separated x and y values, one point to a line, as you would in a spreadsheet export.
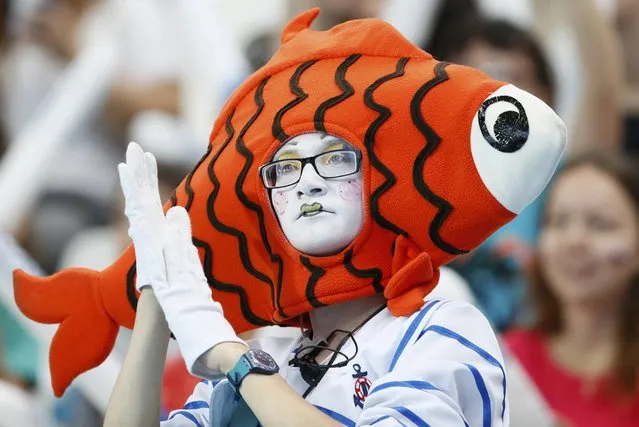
560	284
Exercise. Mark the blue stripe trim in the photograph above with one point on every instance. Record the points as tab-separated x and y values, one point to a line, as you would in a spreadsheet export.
380	419
419	385
480	351
337	417
411	416
196	404
387	417
188	415
485	398
409	333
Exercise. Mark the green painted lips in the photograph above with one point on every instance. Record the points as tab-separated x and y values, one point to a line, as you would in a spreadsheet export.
310	210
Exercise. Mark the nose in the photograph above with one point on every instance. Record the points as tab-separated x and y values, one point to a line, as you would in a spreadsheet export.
574	236
310	183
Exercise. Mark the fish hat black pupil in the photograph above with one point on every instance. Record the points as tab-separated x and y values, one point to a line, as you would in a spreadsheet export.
511	129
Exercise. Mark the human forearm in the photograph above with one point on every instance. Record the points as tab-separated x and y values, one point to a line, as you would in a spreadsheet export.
276	404
272	400
135	400
598	123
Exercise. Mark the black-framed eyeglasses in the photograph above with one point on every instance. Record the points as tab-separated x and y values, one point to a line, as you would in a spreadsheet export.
331	164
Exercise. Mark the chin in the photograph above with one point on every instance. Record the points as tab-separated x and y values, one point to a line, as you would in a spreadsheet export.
320	237
322	243
583	293
322	248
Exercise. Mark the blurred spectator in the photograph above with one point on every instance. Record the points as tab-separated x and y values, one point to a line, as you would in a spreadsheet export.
527	406
582	352
16	406
580	46
332	12
19	351
496	270
16	403
627	18
454	26
586	55
505	52
4	36
96	248
82	179
260	49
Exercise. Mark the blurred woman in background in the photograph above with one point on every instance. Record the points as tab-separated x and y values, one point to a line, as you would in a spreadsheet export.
583	350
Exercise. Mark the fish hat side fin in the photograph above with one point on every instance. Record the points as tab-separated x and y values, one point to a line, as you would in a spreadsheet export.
72	299
300	23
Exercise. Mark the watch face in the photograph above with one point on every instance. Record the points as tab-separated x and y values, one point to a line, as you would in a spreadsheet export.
262	359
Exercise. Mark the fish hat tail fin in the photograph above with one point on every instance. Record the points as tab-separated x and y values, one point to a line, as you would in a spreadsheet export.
71	298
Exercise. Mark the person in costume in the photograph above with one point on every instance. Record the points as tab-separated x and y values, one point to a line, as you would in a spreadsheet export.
444	156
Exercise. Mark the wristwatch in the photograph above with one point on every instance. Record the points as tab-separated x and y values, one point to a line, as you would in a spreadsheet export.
252	362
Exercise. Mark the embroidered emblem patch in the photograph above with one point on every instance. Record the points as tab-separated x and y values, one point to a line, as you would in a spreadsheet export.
362	386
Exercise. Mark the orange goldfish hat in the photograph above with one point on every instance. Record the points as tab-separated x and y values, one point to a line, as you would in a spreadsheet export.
438	178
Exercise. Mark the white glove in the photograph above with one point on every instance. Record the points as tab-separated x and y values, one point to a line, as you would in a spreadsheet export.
196	320
167	260
147	225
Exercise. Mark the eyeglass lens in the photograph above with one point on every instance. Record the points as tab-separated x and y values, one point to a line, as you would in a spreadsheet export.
332	164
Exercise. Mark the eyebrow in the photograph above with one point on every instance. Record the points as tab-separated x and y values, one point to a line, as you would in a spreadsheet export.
334	144
287	154
329	145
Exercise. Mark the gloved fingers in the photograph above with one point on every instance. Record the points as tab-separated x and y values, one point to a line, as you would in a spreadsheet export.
178	240
180	225
127	182
182	259
152	175
135	160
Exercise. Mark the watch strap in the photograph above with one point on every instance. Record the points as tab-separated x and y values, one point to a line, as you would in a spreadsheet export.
241	369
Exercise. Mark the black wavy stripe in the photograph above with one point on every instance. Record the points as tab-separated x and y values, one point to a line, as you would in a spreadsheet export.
316	274
222	227
226	287
187	187
294	84
372	273
246	153
444	208
130	288
343	84
173	198
369	142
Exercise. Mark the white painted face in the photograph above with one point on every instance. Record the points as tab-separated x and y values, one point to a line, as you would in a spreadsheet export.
318	215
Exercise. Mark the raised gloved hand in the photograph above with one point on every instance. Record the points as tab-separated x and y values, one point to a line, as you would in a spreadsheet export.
147	225
196	320
169	263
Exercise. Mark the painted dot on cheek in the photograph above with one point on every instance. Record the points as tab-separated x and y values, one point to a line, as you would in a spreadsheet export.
350	190
280	201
